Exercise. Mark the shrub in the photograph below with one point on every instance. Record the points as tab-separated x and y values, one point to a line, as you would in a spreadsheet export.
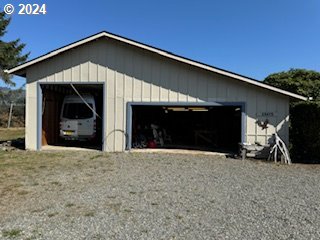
305	132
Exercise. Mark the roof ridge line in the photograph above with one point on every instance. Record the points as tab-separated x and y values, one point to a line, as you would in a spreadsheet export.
150	48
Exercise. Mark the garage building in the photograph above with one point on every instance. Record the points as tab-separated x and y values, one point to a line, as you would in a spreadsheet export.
140	89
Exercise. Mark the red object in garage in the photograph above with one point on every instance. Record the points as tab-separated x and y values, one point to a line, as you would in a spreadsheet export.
152	144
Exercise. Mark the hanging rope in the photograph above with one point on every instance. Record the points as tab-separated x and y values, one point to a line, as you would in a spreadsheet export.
85	101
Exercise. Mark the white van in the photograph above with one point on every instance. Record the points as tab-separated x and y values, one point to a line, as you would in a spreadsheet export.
77	120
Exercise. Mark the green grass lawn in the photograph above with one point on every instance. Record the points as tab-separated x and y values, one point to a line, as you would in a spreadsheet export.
11	133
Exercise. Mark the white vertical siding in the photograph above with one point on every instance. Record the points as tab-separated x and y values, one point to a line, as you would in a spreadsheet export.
173	83
67	73
136	75
31	116
75	67
156	77
162	81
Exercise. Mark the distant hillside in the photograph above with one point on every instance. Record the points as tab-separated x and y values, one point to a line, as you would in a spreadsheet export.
8	96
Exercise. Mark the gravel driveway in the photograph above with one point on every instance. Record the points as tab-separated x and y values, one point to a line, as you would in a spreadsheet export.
88	195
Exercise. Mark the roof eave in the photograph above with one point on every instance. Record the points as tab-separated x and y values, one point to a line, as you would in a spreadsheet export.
22	67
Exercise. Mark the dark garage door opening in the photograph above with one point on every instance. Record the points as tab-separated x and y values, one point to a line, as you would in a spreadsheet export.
211	128
75	111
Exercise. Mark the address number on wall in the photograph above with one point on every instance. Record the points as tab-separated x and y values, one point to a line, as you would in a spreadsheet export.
266	114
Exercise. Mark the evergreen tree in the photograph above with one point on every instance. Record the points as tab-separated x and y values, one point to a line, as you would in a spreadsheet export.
10	52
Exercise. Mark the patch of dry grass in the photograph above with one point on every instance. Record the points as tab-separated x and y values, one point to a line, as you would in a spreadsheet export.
11	133
23	172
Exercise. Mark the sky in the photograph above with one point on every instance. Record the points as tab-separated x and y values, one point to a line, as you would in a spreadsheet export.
250	37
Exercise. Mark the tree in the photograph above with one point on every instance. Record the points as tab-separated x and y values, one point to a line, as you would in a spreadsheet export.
10	52
304	115
300	81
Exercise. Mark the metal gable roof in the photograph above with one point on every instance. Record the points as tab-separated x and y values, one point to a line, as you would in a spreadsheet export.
20	69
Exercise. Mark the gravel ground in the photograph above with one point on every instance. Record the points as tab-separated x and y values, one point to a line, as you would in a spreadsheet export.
83	195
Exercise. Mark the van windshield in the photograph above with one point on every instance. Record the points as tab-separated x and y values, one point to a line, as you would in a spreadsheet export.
77	111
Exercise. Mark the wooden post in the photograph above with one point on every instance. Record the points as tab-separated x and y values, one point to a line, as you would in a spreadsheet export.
244	153
10	115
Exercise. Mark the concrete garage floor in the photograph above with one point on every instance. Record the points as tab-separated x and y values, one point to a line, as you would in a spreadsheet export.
176	151
64	148
94	195
144	150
